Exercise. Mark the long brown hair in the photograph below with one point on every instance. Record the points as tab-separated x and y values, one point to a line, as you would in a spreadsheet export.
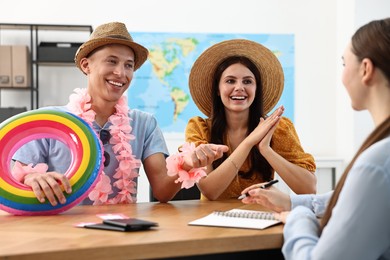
259	165
370	41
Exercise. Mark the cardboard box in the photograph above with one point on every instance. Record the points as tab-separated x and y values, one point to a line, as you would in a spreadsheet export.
5	66
21	66
57	51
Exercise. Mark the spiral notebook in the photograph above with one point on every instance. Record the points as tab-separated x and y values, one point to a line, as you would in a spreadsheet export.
238	218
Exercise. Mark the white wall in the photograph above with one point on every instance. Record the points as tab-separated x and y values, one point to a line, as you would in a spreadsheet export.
326	124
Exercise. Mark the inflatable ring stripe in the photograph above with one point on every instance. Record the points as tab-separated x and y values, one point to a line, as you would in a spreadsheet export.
76	181
36	125
73	188
84	145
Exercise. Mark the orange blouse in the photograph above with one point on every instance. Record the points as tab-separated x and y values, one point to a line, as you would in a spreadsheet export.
285	142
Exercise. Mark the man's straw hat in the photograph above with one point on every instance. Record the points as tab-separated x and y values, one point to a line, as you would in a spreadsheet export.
111	33
203	70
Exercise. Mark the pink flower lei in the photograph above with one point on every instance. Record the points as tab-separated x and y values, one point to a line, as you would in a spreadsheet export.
175	163
120	130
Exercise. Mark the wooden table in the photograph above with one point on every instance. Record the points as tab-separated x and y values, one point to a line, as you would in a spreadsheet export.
56	237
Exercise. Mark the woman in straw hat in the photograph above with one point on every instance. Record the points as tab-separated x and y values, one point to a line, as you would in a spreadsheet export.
355	216
130	137
235	83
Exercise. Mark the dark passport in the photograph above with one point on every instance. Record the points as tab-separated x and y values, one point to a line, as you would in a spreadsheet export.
127	224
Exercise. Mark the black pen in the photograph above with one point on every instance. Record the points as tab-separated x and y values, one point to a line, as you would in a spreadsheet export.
268	184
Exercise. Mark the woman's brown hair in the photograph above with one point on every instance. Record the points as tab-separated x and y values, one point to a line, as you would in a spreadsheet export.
259	165
370	41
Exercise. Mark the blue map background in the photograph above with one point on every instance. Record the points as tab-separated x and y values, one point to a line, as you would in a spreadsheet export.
160	86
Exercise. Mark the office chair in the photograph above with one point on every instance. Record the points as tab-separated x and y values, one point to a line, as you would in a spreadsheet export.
192	193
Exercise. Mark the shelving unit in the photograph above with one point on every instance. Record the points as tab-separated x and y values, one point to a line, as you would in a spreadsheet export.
34	30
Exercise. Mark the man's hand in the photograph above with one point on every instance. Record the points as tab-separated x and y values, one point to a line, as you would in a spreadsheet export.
49	185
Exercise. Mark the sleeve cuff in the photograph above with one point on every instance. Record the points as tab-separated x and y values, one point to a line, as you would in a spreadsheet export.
301	200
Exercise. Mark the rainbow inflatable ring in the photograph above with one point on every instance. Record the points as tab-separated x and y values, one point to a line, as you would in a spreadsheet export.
85	148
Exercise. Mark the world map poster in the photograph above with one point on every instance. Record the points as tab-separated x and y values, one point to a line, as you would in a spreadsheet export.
160	86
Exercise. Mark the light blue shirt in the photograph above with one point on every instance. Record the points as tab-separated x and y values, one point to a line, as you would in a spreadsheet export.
149	140
360	224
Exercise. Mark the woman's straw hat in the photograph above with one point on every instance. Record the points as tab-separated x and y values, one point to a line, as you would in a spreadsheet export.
111	33
203	70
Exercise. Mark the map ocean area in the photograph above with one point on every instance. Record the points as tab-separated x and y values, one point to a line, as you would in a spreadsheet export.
160	86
